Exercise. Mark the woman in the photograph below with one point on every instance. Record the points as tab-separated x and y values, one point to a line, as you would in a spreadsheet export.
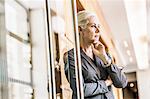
98	71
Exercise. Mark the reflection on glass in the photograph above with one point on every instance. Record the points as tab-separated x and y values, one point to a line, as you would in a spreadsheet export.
18	59
17	23
17	91
18	51
63	40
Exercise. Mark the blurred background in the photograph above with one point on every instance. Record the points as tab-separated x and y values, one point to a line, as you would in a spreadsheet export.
35	34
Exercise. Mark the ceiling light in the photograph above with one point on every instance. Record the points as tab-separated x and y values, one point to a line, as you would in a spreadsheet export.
131	85
128	52
131	59
125	44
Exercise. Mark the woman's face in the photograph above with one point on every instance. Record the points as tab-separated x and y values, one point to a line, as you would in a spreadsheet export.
91	33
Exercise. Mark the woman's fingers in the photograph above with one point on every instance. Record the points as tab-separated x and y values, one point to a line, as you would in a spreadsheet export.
98	45
108	82
95	51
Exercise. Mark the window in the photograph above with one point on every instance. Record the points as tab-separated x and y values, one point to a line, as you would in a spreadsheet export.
18	51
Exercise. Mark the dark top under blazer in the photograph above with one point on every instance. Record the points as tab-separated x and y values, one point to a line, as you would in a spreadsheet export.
94	75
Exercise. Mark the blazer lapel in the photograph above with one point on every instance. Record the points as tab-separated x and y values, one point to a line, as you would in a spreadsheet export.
98	61
100	66
88	60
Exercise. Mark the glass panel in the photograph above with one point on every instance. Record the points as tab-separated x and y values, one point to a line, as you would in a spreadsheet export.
17	91
17	23
18	50
18	59
62	29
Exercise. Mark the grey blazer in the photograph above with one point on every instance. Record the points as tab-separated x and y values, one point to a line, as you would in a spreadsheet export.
94	75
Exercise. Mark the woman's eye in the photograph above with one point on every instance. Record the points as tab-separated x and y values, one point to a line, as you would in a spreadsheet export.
93	26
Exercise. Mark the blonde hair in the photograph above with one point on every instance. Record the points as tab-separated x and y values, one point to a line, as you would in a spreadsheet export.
83	18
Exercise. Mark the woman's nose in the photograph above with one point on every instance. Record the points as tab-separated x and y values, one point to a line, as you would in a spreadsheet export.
97	30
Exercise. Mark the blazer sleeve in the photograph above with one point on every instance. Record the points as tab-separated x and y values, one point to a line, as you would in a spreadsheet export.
90	89
117	76
95	88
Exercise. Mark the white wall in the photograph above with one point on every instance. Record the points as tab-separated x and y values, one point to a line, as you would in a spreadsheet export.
143	81
39	54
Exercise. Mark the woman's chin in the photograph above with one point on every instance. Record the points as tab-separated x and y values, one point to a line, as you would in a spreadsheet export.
95	41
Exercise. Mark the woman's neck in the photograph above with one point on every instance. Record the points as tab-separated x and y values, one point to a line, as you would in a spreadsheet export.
87	49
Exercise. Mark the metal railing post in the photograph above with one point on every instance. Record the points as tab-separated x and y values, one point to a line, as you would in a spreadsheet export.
51	66
78	67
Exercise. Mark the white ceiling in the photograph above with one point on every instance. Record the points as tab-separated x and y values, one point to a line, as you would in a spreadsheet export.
115	15
120	23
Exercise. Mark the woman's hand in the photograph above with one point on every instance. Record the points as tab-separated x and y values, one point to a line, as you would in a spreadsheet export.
99	50
108	82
